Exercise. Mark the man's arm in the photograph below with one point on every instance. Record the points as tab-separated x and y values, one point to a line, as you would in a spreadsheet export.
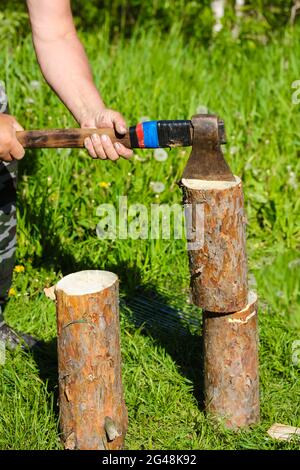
65	67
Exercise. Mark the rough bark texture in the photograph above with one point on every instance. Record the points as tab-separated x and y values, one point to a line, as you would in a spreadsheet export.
218	262
93	415
231	382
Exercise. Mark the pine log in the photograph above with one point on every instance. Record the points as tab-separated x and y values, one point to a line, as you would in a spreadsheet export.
231	383
93	414
217	252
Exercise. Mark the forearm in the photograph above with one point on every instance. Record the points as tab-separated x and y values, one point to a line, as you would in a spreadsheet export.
62	58
65	67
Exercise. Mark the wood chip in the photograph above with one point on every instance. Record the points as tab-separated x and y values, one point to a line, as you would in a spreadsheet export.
50	292
283	432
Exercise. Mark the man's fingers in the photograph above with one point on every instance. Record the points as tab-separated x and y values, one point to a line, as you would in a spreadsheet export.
6	158
108	148
98	146
90	148
16	150
122	150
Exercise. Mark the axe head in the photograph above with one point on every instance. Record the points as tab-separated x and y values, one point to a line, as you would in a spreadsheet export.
206	161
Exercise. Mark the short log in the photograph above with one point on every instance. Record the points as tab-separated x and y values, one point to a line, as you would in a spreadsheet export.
231	383
93	414
217	251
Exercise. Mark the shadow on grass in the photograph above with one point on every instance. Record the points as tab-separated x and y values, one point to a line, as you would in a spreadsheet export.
171	329
168	326
45	356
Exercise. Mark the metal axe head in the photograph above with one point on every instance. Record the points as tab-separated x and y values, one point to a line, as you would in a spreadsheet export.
206	161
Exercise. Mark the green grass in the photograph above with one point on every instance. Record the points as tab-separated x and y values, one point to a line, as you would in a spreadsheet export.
160	77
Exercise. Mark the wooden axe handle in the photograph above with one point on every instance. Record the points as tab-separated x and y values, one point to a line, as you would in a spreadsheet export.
66	138
150	134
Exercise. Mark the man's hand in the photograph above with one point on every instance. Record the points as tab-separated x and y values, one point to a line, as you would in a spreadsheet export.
102	147
10	148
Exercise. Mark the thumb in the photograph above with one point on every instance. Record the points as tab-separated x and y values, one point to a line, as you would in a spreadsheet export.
17	126
119	123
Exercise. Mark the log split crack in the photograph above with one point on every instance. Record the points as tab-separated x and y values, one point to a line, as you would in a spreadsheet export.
76	321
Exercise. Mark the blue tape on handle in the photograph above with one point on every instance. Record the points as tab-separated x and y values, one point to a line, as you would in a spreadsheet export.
150	134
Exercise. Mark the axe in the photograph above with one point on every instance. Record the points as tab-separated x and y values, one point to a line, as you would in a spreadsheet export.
205	133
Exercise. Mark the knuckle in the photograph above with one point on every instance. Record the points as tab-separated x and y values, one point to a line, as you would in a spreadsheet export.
5	141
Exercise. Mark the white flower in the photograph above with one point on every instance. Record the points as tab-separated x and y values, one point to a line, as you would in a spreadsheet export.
252	281
29	100
294	263
202	109
292	181
160	155
157	187
138	158
233	150
35	84
144	119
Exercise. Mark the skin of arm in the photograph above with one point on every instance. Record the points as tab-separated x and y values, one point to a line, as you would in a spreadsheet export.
65	67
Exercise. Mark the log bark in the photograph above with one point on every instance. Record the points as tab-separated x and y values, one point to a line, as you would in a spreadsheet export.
217	252
231	383
93	414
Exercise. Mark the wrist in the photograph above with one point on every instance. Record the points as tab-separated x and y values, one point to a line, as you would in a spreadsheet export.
86	116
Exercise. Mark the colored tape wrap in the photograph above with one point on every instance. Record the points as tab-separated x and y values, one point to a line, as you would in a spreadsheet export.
155	134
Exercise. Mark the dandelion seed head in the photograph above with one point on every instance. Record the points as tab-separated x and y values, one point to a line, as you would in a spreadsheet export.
29	100
139	159
157	186
160	155
35	84
144	119
294	263
202	109
233	150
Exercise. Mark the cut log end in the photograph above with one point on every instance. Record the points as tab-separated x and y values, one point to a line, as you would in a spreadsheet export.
205	185
86	282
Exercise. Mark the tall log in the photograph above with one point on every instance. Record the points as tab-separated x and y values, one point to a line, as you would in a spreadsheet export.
218	262
231	382
93	414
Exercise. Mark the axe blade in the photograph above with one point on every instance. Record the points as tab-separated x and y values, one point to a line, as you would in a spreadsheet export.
207	161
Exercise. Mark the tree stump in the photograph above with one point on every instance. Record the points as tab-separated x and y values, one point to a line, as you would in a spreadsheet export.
231	383
93	414
218	262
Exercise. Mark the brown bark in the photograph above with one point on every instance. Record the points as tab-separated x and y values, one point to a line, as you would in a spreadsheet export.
93	414
231	382
218	262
